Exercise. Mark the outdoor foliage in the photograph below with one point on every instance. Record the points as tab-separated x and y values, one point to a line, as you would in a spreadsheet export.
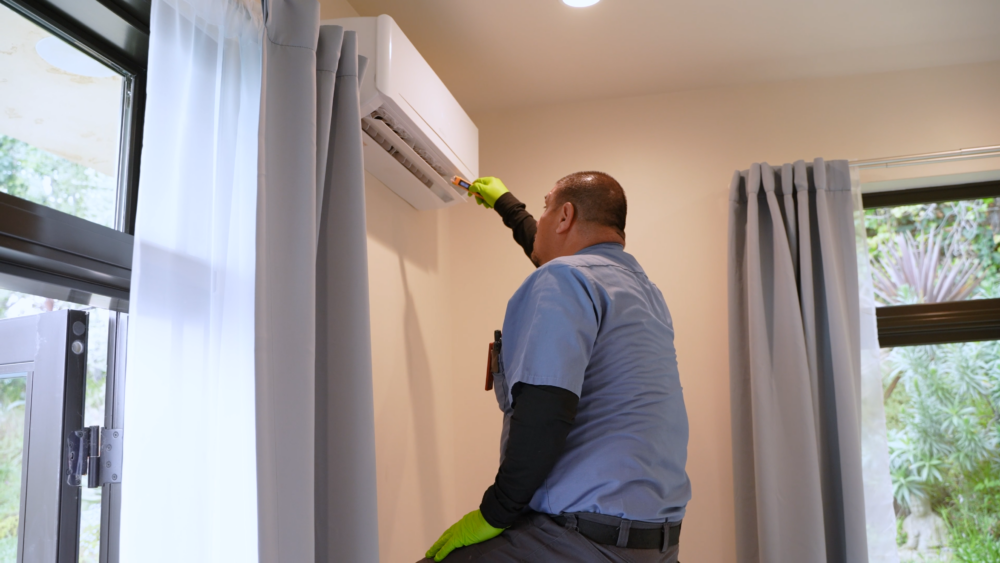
934	252
11	436
933	270
943	402
35	175
975	520
948	426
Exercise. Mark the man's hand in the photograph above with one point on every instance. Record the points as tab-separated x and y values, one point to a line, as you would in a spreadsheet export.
471	529
489	189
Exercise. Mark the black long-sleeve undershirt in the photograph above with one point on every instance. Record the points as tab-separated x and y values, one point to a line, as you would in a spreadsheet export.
541	419
515	216
542	414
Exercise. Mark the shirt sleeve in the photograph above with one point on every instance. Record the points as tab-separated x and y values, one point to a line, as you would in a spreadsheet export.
555	326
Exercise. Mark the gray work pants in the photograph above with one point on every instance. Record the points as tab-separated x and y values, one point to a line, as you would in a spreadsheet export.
535	537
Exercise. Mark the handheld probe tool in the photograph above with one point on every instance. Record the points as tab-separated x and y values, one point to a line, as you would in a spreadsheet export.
463	183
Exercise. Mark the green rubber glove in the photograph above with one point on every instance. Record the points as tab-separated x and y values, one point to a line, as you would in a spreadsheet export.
471	529
490	189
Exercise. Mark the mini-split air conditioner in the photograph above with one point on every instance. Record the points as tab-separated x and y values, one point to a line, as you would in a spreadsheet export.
416	135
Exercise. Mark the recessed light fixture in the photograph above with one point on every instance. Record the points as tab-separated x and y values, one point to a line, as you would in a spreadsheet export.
63	56
580	3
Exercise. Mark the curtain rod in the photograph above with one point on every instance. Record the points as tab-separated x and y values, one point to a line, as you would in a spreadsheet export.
927	158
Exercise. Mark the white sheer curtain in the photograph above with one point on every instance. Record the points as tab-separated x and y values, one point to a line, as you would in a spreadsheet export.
879	515
189	487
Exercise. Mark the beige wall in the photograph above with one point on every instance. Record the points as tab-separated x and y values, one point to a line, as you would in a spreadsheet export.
440	280
336	9
412	350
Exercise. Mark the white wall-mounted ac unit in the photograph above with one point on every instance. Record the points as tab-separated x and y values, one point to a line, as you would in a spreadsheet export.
417	136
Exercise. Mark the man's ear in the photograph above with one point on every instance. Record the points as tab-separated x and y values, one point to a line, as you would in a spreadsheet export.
567	216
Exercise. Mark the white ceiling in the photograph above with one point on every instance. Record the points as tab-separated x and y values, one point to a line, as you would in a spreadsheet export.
496	54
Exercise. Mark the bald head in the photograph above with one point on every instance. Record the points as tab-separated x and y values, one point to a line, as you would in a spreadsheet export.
581	210
597	197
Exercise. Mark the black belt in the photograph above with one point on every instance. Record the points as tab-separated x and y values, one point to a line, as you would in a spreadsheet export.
626	533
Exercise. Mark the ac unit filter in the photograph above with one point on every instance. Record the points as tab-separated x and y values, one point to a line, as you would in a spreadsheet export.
417	136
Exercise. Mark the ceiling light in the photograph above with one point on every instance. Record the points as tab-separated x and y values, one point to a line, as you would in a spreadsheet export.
580	3
63	56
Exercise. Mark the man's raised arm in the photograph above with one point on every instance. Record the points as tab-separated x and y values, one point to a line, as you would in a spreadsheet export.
494	195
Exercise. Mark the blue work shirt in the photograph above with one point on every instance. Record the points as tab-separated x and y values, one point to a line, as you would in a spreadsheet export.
594	324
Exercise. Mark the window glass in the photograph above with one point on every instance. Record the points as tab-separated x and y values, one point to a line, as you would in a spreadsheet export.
935	252
12	402
59	124
942	404
15	304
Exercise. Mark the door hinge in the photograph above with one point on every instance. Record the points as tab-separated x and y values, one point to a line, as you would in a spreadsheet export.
95	452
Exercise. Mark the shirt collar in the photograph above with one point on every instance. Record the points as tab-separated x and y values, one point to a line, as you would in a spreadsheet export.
614	252
603	248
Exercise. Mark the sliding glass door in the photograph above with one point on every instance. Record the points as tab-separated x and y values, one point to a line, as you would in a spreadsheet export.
43	366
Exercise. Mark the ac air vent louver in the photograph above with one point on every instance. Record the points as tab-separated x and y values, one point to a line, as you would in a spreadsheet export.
405	150
381	115
390	148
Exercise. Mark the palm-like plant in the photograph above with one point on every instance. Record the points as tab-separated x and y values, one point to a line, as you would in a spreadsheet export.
935	266
932	269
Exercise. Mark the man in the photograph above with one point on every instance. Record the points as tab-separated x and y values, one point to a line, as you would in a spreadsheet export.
595	432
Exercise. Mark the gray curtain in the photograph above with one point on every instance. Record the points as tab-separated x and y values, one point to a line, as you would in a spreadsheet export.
315	423
795	365
346	512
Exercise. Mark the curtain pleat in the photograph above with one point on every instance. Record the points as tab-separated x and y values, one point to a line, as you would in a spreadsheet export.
286	282
315	413
795	365
331	38
741	414
841	365
346	510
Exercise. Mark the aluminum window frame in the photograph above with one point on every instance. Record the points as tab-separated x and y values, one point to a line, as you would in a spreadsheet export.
116	33
55	250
